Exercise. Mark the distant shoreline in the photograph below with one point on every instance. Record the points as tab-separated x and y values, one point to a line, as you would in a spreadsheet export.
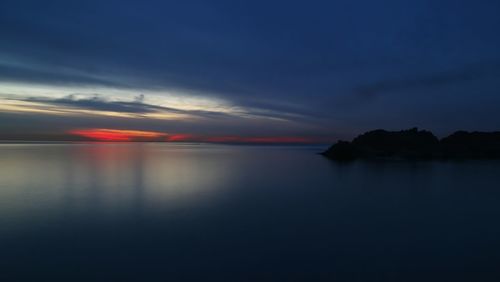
162	142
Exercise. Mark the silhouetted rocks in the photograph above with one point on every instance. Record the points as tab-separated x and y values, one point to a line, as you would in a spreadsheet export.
341	150
466	145
417	144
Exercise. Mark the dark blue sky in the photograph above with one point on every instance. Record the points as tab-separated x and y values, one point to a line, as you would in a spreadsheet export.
316	69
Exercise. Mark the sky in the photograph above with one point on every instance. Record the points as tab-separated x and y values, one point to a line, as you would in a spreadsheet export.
246	71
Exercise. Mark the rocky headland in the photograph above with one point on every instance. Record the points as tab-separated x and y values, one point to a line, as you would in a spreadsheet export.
417	144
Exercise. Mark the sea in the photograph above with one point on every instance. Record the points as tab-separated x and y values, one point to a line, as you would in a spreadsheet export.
208	212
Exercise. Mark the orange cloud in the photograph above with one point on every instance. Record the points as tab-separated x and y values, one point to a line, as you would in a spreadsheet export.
102	134
116	135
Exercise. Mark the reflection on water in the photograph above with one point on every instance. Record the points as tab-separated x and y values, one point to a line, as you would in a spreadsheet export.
148	212
106	177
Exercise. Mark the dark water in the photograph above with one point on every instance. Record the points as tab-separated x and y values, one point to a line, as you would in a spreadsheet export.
159	212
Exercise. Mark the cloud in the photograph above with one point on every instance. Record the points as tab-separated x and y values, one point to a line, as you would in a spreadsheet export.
98	103
47	74
139	98
138	106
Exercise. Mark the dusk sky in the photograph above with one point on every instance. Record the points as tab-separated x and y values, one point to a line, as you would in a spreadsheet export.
252	71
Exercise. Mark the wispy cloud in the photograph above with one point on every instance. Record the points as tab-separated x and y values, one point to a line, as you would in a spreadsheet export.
99	104
137	107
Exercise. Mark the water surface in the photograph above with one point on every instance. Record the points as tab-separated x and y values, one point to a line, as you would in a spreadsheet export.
186	212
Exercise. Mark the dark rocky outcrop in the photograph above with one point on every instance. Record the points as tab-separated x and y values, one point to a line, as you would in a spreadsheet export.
417	144
341	150
466	145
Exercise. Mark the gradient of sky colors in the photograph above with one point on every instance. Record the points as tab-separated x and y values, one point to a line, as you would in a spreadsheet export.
246	71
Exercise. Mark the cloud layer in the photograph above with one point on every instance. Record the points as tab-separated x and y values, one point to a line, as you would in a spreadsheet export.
327	69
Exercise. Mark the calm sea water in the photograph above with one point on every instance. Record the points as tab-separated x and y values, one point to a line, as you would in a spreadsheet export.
167	212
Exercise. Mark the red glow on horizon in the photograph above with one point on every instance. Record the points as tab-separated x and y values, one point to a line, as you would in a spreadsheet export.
269	140
180	138
119	135
101	134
